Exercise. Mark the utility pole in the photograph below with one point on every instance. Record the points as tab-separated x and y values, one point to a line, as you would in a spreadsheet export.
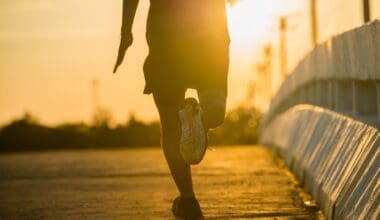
314	23
268	63
283	26
251	92
264	70
95	94
366	11
262	86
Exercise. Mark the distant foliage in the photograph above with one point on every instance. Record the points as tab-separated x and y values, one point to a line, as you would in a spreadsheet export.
26	133
240	127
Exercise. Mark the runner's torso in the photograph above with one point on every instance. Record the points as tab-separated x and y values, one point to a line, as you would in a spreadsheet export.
170	20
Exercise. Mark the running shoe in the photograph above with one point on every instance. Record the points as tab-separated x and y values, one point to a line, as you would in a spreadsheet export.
187	209
193	142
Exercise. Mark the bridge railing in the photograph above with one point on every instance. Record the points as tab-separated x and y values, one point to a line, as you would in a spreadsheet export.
341	74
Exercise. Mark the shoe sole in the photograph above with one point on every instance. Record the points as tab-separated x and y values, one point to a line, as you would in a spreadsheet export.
189	115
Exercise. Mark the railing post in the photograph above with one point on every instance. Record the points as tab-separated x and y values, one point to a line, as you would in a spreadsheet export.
311	93
316	93
302	98
343	98
330	92
364	98
322	93
354	98
378	99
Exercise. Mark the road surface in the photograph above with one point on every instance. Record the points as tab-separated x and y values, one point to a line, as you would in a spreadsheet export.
231	183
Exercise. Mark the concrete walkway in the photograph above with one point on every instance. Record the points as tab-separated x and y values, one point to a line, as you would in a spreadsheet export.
231	183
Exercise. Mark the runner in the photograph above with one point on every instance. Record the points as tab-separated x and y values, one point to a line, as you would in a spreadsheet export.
188	48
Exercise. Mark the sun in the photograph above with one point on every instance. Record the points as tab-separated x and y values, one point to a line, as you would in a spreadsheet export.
251	22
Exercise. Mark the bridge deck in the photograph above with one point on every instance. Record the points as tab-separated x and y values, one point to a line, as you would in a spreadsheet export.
232	182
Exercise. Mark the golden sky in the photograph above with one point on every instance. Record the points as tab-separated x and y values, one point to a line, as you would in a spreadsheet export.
51	50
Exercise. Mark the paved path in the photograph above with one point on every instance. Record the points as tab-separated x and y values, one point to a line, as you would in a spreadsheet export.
231	183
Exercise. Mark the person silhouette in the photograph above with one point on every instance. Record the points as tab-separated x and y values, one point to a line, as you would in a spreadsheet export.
188	48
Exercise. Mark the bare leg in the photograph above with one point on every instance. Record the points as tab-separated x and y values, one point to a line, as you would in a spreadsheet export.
171	132
213	103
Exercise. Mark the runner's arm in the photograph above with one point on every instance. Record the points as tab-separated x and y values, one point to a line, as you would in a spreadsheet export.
129	11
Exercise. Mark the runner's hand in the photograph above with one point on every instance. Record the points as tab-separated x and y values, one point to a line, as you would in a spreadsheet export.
125	42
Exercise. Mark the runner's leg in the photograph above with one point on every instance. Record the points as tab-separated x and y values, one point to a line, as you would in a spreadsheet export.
168	107
213	104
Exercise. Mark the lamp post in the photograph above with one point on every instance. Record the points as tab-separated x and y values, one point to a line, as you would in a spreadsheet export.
313	22
282	45
366	11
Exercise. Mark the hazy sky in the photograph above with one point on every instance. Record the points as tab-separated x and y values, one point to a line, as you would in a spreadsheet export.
51	50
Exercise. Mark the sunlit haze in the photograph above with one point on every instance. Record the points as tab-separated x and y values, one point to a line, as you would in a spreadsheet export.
51	51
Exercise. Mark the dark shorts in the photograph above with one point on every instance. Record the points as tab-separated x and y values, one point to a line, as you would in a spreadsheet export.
212	102
192	63
188	45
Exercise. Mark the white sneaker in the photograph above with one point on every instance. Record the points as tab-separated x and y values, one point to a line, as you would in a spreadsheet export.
193	142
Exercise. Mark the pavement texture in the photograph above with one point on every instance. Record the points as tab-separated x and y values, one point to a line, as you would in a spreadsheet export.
237	182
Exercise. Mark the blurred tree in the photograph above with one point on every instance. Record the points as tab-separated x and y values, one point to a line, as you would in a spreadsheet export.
240	127
102	117
25	133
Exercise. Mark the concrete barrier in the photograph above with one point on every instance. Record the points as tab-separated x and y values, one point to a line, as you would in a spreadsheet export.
342	74
334	157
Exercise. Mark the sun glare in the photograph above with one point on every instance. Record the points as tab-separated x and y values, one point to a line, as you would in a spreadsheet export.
245	23
253	22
